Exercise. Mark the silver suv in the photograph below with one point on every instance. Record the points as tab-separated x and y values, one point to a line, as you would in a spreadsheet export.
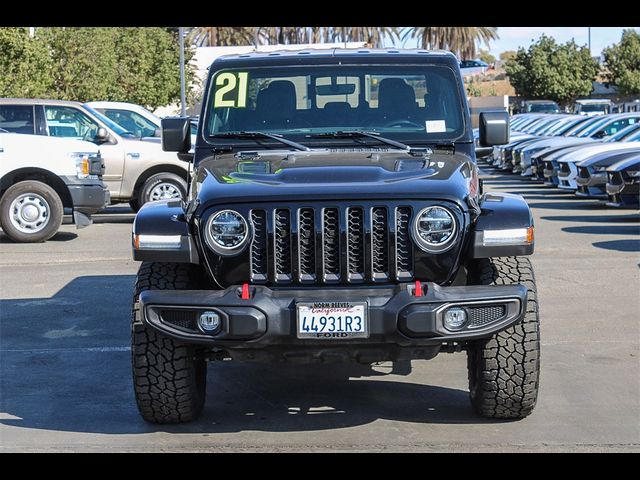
136	171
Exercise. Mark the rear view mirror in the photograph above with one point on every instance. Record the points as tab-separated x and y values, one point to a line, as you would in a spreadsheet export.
101	135
494	128
176	134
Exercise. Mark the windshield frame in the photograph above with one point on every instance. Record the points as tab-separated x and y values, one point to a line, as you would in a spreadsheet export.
300	136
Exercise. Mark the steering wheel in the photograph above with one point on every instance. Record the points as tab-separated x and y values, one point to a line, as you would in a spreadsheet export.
400	123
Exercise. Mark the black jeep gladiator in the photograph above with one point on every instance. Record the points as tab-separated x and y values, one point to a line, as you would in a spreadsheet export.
334	214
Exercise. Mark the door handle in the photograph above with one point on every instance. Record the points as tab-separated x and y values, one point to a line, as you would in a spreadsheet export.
133	154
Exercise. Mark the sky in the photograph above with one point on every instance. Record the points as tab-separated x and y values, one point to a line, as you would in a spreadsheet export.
513	37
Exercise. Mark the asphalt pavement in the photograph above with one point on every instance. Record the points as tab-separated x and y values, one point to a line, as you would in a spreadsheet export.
65	380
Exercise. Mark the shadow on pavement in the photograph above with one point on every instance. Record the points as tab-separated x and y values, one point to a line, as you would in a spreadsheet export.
65	366
631	218
620	245
605	229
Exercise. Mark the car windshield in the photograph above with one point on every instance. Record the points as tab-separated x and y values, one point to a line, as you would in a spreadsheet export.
543	107
107	121
593	107
404	102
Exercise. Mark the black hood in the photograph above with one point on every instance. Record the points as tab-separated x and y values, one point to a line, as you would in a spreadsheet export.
331	174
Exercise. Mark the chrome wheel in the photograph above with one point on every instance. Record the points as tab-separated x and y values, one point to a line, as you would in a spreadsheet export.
30	213
164	191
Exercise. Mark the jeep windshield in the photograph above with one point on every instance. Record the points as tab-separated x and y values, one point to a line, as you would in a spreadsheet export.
412	104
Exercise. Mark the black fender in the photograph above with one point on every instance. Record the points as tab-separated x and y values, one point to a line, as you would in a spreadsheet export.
161	234
501	211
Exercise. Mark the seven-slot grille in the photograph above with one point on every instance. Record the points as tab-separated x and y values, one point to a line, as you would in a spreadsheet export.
312	245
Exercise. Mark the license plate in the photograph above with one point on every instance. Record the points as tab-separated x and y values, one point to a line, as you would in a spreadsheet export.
332	320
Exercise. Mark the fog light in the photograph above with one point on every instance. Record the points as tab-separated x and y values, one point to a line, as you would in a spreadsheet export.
209	322
455	318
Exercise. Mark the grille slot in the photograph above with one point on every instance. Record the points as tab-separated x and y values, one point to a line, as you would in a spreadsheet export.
184	319
379	244
404	245
259	246
282	245
355	244
331	244
306	245
479	316
311	244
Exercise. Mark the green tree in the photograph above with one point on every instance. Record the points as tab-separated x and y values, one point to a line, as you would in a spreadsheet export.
622	62
25	65
84	62
507	55
548	70
485	56
138	65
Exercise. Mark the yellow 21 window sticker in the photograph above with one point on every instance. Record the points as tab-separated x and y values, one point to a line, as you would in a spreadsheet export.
233	86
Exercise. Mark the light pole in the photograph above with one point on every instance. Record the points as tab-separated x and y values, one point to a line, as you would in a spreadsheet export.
589	41
183	100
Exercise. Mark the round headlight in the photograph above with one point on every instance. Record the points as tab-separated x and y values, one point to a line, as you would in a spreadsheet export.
227	232
434	229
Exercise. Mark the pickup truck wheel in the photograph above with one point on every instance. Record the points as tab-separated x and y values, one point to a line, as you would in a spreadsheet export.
135	206
30	211
169	378
162	186
504	369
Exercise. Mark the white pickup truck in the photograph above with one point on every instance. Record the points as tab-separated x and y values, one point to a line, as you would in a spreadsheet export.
42	176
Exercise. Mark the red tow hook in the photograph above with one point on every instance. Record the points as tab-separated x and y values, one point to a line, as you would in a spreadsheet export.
418	290
245	292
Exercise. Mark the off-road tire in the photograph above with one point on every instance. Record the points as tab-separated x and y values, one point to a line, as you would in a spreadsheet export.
55	211
504	369
169	377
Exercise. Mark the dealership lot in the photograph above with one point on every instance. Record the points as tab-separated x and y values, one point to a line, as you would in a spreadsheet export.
65	371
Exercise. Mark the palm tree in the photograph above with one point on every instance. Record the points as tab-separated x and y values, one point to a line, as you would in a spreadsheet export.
460	40
220	36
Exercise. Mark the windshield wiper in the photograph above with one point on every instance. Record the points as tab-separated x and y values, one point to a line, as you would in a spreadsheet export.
375	135
257	135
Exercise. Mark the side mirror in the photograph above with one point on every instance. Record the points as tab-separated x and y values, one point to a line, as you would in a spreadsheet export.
494	128
176	134
157	133
102	135
599	134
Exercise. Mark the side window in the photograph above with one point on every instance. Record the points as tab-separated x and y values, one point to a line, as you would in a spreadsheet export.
131	122
619	125
70	122
17	118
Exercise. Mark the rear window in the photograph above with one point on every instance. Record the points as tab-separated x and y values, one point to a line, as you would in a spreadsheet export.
17	118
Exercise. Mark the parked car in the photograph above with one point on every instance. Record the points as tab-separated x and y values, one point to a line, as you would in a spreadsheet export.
540	106
136	171
347	231
603	127
136	119
592	171
567	164
133	118
592	107
623	183
40	178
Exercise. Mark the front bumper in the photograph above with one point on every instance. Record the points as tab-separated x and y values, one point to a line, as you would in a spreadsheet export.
400	324
567	175
88	197
621	193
